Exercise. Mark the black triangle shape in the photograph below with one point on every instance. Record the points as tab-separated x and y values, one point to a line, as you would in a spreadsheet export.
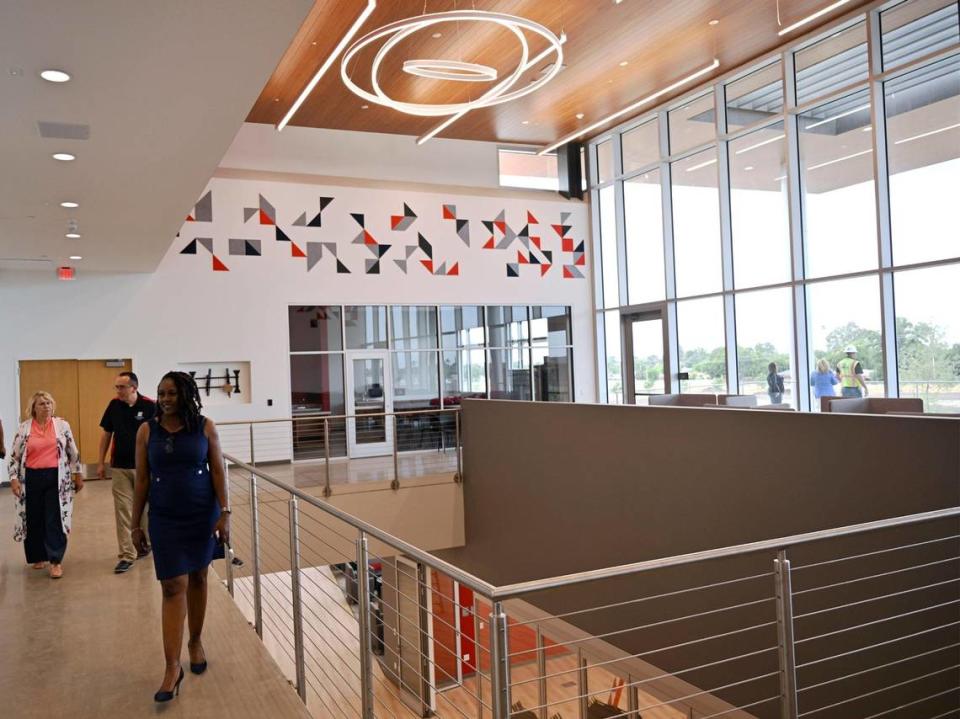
488	225
534	260
250	249
407	212
580	246
461	224
316	221
425	246
511	272
374	269
342	268
324	201
566	229
525	232
281	235
549	255
382	249
358	217
190	249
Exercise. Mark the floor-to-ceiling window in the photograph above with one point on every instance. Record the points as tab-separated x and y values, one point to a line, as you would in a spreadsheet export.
797	208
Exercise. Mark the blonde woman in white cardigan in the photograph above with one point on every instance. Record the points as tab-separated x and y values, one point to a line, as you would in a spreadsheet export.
44	468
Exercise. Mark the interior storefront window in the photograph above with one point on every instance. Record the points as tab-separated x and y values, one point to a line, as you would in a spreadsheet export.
830	64
366	327
755	97
692	124
614	353
641	146
608	247
551	373
413	327
315	328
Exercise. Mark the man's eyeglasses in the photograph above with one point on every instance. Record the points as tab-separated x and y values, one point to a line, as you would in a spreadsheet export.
122	386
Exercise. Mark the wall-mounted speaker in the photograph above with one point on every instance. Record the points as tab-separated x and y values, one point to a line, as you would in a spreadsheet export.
569	170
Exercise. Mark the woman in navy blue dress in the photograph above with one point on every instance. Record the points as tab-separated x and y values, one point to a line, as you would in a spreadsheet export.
180	472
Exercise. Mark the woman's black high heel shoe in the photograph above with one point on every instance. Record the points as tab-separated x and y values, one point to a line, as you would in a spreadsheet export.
198	668
167	696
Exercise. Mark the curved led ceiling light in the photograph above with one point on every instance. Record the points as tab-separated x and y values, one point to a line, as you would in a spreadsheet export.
450	70
396	32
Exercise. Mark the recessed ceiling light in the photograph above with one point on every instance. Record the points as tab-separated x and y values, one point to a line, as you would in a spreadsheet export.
748	168
314	42
436	35
624	63
525	122
866	129
68	203
55	76
75	257
276	99
63	156
364	107
72	235
579	115
713	22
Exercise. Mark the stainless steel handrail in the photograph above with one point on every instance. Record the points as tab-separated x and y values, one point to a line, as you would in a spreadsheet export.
537	585
413	552
330	417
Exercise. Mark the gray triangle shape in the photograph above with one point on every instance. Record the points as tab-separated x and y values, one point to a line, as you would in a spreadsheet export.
301	221
442	269
314	254
249	212
564	216
206	242
402	264
410	249
331	247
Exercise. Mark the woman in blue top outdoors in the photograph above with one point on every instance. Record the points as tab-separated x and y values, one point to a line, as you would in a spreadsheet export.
823	380
180	471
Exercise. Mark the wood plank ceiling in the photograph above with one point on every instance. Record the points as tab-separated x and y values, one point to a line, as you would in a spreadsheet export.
660	41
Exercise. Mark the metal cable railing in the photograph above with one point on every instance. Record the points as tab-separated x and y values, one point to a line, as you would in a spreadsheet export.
392	445
366	625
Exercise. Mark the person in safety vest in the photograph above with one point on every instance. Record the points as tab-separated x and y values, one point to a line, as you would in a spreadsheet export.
851	374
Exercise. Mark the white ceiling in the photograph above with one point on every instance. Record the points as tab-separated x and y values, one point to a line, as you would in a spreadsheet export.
164	87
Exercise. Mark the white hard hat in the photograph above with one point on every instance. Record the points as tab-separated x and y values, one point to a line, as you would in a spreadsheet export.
851	349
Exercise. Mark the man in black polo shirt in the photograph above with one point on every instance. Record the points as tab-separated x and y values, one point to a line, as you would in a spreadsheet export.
120	423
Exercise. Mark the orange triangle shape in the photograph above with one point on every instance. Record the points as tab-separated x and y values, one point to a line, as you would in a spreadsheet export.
531	219
455	270
536	241
521	259
502	226
368	238
558	229
394	221
489	245
428	264
543	269
296	251
567	274
447	215
190	219
218	266
265	219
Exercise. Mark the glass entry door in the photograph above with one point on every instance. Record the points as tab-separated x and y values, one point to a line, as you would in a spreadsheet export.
370	432
645	356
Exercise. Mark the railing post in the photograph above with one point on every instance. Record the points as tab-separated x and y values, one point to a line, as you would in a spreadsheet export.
583	685
395	484
541	674
255	548
326	454
785	641
633	699
253	460
293	512
499	662
228	550
363	603
458	448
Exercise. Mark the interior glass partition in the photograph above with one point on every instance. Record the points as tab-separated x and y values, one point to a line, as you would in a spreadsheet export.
798	213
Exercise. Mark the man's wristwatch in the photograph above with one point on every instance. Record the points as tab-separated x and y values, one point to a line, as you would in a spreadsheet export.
226	511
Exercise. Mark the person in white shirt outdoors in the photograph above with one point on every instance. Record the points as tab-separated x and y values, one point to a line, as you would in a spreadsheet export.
120	422
44	469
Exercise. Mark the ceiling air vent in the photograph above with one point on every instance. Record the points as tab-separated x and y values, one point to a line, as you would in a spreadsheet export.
25	263
63	130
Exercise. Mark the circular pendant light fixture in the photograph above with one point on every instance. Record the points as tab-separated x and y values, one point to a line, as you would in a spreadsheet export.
502	92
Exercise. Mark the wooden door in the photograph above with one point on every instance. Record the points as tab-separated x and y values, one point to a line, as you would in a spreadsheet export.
95	389
59	378
81	388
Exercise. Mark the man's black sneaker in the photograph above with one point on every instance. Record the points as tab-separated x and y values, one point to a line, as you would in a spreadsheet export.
122	566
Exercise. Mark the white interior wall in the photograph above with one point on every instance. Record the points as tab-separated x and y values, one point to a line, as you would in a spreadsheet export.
185	312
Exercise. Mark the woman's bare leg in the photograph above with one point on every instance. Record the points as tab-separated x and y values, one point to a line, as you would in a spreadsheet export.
174	611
